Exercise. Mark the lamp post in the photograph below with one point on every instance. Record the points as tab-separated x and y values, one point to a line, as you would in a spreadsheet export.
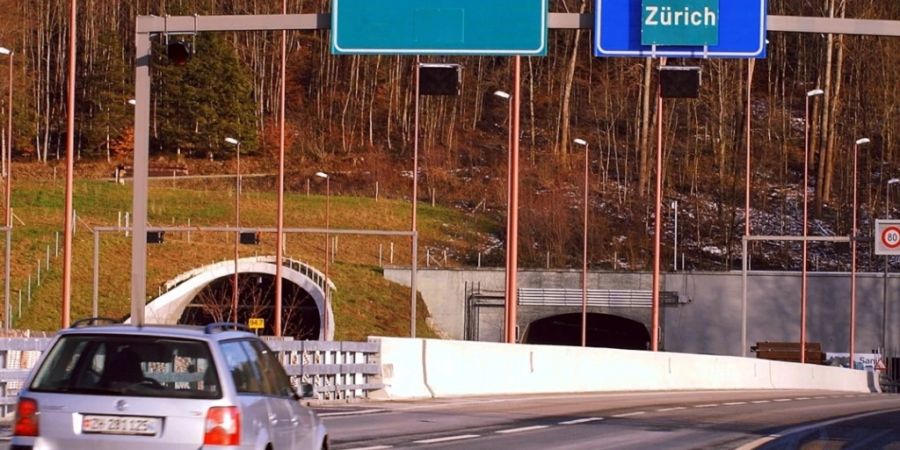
9	145
853	236
8	190
584	255
887	260
68	220
512	208
237	227
803	276
327	252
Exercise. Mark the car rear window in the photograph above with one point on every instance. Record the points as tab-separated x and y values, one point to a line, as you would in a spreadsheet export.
144	366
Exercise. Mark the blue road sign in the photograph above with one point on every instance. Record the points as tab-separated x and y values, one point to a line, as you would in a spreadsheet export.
741	26
439	27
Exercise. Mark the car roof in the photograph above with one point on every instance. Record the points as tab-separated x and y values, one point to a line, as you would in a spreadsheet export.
212	332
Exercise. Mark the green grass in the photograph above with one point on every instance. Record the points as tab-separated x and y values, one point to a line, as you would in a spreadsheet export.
364	304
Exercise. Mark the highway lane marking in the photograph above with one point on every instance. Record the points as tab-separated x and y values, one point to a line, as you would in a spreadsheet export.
677	408
782	400
760	401
711	405
819	397
519	430
636	413
577	421
374	447
734	403
351	413
802	398
447	439
801	429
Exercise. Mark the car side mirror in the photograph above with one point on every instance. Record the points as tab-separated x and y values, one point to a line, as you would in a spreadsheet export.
306	390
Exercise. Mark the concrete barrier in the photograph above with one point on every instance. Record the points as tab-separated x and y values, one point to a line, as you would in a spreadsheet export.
426	368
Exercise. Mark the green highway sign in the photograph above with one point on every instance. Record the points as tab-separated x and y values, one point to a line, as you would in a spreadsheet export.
439	27
680	22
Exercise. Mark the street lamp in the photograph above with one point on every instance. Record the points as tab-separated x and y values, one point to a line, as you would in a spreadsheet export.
584	257
9	145
237	227
887	260
8	188
853	236
327	252
512	211
803	279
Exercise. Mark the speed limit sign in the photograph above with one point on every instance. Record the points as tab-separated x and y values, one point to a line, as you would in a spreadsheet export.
887	237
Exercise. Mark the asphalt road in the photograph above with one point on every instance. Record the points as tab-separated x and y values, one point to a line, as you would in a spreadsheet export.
670	420
640	420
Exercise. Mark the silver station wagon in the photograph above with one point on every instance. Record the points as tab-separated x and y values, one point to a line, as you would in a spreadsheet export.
121	387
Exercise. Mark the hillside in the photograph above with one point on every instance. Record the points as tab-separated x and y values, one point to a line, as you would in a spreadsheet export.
364	303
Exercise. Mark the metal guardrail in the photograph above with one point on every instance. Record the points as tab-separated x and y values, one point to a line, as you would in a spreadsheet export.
337	370
595	297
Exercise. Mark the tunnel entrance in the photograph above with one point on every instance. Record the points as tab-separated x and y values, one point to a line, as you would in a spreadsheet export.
300	315
603	330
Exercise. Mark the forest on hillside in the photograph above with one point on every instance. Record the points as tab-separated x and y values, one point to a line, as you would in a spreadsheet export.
354	115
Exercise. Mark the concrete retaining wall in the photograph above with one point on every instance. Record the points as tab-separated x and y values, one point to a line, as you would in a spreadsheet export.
426	368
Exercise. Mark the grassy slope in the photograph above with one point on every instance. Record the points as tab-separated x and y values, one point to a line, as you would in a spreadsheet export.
365	304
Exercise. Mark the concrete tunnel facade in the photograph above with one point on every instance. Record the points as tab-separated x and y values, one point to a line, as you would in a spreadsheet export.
181	292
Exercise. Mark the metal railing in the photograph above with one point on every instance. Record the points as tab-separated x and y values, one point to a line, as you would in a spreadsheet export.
337	370
595	297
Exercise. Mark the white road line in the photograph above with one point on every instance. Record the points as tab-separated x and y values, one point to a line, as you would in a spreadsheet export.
446	439
710	405
734	403
677	408
782	400
849	396
351	413
760	401
819	397
519	430
577	421
802	398
375	447
636	413
763	440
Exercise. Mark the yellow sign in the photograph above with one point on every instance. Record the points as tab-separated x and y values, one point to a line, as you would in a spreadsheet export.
256	323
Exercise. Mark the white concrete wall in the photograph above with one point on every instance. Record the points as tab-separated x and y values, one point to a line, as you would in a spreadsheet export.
426	368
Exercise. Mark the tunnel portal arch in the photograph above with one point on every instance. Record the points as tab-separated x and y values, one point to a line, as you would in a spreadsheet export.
204	294
603	330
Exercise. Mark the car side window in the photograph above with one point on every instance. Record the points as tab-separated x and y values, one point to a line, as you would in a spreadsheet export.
258	366
242	367
279	382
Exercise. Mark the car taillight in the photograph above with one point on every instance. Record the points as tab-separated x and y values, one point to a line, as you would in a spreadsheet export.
223	426
26	418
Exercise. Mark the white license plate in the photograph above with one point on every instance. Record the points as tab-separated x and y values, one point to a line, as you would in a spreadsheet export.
143	426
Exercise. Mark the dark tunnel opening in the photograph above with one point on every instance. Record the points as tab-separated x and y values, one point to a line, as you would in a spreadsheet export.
300	315
603	330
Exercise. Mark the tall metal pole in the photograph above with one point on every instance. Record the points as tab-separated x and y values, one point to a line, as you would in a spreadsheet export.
657	228
887	260
512	229
141	164
8	212
584	250
747	227
70	172
96	285
9	148
237	235
414	225
853	237
804	281
327	256
279	222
